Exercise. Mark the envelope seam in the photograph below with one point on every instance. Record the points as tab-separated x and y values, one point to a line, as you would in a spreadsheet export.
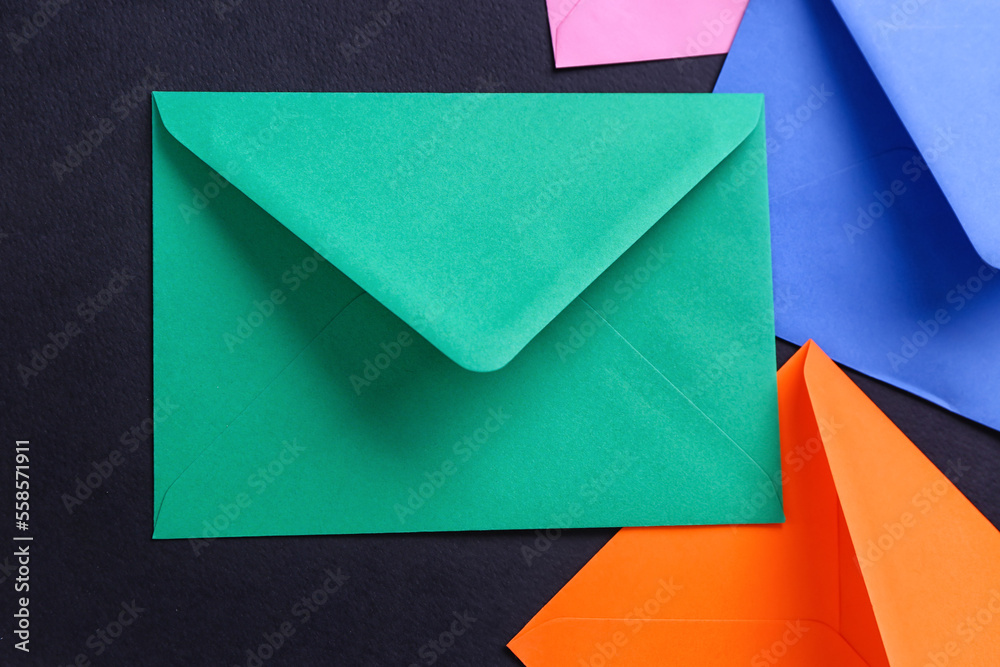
843	170
563	20
817	622
268	384
806	619
840	579
684	396
808	347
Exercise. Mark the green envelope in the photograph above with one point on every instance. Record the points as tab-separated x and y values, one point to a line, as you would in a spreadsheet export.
433	312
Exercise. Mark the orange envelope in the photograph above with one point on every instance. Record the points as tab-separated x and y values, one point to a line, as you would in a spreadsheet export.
881	561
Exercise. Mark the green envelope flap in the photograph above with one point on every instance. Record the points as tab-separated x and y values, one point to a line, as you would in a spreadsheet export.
472	217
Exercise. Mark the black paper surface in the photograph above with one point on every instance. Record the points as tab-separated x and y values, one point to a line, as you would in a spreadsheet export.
75	267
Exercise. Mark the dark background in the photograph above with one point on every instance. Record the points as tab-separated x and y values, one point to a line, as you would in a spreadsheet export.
62	236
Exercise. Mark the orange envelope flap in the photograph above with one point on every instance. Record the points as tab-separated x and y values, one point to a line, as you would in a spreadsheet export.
930	560
717	595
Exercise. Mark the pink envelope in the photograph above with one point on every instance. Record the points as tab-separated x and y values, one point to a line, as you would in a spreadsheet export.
600	32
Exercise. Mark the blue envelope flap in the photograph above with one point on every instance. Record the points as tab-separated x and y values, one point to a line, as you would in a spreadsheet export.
938	64
475	218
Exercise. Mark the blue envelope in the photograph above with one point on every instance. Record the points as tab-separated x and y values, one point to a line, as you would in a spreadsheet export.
884	186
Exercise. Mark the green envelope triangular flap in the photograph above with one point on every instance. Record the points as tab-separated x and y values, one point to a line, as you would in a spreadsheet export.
473	217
